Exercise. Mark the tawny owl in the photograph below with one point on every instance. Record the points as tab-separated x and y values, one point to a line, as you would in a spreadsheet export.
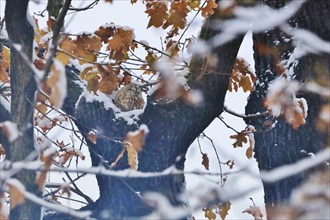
129	98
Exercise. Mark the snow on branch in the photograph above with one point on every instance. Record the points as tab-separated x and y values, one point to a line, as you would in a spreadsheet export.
128	173
292	169
57	207
256	19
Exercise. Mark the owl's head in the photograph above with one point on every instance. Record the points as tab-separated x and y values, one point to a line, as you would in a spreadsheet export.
132	90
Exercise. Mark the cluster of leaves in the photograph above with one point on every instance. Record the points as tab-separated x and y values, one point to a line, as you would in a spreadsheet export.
242	76
281	100
175	16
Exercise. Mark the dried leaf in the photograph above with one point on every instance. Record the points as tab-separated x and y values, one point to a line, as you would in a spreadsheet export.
137	138
4	64
3	213
254	211
241	76
68	153
209	214
105	32
296	113
42	175
178	15
205	161
121	39
68	46
230	163
224	208
56	82
249	152
134	142
16	191
240	139
132	156
2	150
107	85
209	8
126	79
9	129
157	11
92	137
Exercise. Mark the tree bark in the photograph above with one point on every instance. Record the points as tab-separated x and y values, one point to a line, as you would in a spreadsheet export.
23	88
282	144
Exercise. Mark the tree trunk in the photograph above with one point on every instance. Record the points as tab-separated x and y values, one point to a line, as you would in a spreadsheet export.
23	88
173	127
282	144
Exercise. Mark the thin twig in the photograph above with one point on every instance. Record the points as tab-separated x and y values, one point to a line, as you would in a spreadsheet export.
226	109
90	6
221	119
56	36
218	158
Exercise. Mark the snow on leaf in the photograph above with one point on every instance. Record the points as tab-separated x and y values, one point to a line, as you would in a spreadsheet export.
68	153
224	209
16	191
254	211
209	214
9	129
280	94
281	100
205	161
57	84
296	113
240	139
91	136
230	164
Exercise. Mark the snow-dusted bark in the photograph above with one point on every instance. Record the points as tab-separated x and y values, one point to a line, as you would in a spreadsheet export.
23	87
280	144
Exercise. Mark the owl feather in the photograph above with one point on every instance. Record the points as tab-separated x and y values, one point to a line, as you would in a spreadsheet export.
129	98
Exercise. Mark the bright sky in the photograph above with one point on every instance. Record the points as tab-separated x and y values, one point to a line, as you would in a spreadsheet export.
123	13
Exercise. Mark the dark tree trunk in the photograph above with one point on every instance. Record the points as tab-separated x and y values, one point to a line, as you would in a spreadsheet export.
23	88
282	144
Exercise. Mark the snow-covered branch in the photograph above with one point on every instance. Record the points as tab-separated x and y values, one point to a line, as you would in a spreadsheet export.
292	169
257	19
